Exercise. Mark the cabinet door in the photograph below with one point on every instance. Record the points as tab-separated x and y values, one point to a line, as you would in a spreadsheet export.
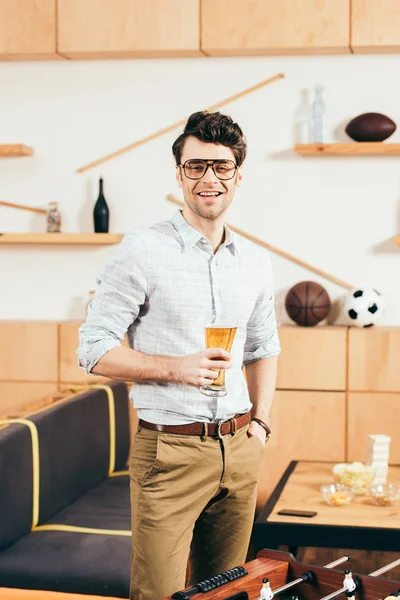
305	426
312	358
128	28
375	26
29	351
256	27
368	414
27	29
374	359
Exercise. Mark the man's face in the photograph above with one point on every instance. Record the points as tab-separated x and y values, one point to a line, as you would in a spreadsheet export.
209	196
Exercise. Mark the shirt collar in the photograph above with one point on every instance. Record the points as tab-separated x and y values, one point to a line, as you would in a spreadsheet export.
190	236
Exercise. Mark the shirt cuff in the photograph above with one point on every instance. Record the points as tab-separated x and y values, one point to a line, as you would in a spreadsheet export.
262	352
88	360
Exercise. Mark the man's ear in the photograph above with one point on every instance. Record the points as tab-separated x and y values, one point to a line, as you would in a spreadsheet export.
178	176
239	177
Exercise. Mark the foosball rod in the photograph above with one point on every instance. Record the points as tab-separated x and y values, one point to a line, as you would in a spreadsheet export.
306	577
388	567
384	569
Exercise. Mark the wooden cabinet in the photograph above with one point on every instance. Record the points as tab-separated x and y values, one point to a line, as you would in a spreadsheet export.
370	413
29	351
305	426
375	26
128	28
28	29
312	358
374	359
257	27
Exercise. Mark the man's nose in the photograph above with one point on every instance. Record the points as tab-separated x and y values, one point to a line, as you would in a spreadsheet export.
209	175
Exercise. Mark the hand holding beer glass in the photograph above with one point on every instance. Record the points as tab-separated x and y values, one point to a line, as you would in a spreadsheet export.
218	336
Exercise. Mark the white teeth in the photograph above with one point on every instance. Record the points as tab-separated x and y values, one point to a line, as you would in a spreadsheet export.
208	193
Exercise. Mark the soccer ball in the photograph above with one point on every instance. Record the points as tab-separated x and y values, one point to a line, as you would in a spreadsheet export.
363	307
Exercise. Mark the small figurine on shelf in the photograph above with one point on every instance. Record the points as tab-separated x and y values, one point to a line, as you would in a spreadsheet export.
53	218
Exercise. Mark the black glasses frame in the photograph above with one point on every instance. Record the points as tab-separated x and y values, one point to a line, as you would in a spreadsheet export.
210	163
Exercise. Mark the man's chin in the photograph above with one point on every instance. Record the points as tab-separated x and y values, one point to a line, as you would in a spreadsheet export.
211	212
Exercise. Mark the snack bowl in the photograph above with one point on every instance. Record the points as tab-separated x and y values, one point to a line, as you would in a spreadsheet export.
355	475
337	494
385	495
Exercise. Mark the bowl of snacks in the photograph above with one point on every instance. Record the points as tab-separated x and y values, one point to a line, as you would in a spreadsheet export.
355	475
385	495
337	494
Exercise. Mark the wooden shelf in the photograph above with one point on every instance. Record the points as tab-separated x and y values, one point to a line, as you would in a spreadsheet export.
351	149
13	150
397	240
81	239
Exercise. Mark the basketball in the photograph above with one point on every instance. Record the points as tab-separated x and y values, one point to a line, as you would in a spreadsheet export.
307	303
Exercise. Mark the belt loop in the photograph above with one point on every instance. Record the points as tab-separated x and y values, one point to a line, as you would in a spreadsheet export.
234	424
205	433
139	427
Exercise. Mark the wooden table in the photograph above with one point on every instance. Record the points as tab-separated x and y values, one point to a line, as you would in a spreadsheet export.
360	525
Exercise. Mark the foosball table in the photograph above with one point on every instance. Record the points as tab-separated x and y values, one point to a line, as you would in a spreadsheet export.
278	574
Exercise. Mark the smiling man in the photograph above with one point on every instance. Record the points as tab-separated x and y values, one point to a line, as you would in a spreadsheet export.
195	459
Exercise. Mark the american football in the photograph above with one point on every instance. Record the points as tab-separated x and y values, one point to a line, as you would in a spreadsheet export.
370	127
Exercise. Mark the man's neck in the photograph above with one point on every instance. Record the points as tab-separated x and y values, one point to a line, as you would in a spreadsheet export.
213	231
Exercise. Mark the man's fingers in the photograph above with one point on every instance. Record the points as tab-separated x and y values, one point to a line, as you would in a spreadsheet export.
210	375
218	353
219	364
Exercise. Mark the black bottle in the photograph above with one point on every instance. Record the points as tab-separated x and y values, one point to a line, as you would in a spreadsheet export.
100	212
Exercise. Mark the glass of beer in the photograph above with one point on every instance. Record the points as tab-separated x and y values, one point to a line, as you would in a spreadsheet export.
218	336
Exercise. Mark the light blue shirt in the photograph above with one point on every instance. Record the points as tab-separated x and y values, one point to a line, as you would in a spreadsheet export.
162	287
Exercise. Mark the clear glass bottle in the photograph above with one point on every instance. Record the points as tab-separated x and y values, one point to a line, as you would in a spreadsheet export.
53	218
302	121
318	120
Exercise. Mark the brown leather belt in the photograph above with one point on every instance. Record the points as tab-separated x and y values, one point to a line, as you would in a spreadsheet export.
213	429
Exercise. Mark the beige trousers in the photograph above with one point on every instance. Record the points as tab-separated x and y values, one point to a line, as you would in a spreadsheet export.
189	495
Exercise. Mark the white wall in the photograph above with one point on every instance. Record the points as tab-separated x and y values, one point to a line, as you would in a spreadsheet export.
338	214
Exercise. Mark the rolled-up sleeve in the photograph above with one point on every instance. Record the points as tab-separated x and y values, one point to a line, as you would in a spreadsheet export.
262	338
121	291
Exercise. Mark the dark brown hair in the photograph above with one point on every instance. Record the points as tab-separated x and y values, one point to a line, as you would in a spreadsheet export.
214	128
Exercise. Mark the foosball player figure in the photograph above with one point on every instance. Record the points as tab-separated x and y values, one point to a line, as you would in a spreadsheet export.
349	584
266	593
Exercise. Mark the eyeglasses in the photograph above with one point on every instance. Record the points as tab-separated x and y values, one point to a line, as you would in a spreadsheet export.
196	168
